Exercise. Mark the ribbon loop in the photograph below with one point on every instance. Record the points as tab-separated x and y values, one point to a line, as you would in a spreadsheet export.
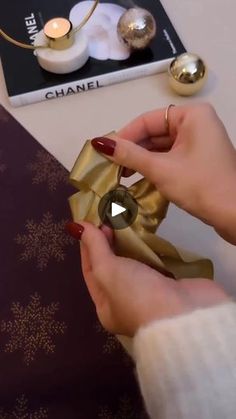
94	176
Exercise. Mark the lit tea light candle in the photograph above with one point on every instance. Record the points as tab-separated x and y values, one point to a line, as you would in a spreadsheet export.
59	33
57	28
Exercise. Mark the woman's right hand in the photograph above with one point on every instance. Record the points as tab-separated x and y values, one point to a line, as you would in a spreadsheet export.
193	166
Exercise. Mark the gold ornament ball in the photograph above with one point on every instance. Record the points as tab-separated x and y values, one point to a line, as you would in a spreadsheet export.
187	74
136	28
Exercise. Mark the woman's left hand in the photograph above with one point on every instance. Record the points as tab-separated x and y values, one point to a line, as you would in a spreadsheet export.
128	294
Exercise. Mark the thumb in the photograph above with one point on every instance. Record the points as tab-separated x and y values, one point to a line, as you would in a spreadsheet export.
125	153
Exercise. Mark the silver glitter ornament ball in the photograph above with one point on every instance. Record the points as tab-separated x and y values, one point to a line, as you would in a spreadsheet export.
136	28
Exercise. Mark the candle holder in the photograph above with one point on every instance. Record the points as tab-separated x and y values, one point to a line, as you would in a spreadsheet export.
65	53
58	47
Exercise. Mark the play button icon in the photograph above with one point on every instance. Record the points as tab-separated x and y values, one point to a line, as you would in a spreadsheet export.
118	209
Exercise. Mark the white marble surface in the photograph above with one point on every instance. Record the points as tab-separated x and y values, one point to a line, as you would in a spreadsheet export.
207	27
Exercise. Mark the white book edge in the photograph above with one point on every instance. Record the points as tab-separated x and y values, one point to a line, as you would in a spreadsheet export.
90	83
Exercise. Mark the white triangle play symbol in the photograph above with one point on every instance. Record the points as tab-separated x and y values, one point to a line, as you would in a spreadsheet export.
117	209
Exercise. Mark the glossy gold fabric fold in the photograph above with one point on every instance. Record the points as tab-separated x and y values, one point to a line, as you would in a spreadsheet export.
94	176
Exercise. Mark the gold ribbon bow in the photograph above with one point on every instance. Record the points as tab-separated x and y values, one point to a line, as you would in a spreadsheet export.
94	175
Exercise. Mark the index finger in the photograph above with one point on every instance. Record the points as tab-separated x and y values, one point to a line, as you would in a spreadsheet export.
154	124
150	124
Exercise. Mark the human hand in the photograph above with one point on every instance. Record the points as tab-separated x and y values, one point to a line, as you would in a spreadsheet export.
193	166
128	294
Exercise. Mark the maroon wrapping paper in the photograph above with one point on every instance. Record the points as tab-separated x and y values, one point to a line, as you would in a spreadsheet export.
56	361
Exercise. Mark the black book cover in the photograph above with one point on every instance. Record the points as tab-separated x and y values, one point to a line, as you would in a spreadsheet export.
20	66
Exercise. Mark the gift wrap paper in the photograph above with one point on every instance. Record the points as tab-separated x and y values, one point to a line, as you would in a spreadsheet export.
56	361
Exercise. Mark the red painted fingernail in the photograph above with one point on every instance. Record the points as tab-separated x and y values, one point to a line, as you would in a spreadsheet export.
75	230
104	145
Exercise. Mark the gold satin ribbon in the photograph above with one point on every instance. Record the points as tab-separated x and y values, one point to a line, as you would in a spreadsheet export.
94	176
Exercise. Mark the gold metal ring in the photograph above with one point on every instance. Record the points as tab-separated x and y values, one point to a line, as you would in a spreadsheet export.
33	47
167	120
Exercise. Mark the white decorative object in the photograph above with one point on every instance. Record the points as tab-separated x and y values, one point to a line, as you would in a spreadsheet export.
62	61
101	30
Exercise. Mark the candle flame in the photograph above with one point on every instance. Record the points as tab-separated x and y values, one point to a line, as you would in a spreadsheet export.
55	25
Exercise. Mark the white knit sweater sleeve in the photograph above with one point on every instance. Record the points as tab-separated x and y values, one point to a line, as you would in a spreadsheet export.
186	365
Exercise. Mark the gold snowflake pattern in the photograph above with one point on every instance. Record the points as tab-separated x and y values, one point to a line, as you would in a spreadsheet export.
2	165
22	411
111	343
126	410
32	328
47	169
4	116
43	241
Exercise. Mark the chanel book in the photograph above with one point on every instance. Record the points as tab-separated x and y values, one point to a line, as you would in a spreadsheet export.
109	61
